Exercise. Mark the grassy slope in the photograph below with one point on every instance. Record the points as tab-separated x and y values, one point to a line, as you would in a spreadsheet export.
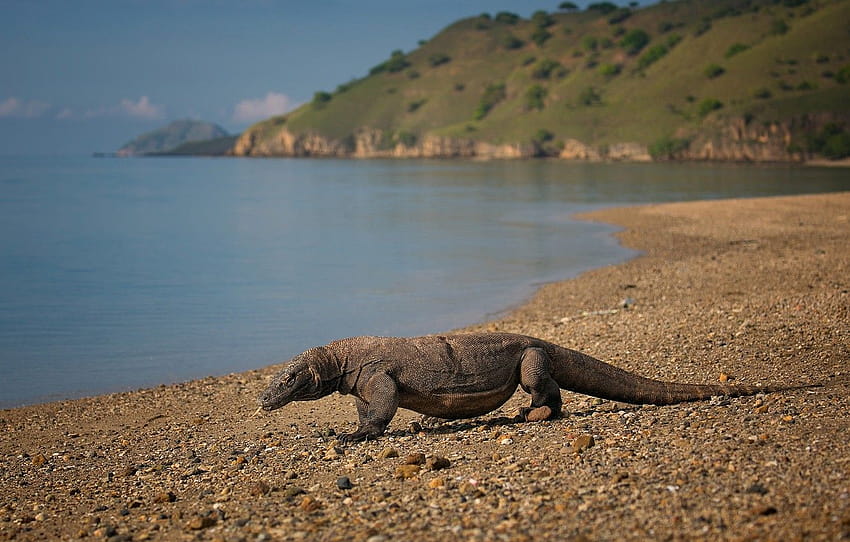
635	105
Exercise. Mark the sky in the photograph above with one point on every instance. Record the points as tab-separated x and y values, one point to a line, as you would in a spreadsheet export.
87	76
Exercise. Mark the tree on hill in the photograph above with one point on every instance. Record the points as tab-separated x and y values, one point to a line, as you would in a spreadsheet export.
567	6
602	7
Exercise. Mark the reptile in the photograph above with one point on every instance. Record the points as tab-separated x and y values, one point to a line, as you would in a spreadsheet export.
465	375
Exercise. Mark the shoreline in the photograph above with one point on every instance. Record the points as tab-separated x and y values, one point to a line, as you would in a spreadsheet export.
755	289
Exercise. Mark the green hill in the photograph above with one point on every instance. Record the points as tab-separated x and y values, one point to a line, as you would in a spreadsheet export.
728	80
170	137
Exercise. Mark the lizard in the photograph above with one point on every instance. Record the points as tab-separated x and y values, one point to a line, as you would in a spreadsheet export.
466	375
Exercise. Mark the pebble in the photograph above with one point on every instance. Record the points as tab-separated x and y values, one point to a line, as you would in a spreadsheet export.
406	471
309	504
166	496
344	482
583	442
292	491
417	458
259	488
201	522
436	483
437	463
387	453
334	452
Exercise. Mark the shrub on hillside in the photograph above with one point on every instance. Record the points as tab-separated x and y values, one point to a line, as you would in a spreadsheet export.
396	63
843	75
406	138
609	70
567	6
512	42
588	96
708	105
545	68
634	40
714	70
534	97
779	27
540	36
590	43
832	141
542	19
493	94
619	16
439	58
507	17
321	98
602	7
668	148
735	48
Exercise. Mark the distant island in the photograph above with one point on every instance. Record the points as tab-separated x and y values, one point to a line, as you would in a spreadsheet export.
181	137
736	80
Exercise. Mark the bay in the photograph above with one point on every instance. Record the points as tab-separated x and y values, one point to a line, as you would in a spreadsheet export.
118	274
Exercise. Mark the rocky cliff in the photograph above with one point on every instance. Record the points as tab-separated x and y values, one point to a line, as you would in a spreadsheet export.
735	140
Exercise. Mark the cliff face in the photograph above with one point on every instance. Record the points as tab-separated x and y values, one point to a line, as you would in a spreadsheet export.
736	140
372	143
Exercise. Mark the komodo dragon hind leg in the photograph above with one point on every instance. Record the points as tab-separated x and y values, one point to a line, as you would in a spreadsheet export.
536	379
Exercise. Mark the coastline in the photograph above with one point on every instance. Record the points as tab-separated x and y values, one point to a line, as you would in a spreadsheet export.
756	289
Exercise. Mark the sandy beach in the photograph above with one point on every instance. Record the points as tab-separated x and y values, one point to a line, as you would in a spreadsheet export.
744	291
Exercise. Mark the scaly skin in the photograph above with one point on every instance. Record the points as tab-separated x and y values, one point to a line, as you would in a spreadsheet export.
463	376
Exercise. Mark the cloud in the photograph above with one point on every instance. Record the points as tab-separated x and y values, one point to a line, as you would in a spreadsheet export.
142	109
252	110
138	109
13	107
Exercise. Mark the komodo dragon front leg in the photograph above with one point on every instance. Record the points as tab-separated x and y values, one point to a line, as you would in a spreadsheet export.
536	379
376	406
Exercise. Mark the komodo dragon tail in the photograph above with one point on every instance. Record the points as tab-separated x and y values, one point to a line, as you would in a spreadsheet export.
581	373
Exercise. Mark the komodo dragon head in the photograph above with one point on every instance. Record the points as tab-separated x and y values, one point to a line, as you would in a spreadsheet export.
299	380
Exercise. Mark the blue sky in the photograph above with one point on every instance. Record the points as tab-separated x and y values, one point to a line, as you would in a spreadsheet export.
88	75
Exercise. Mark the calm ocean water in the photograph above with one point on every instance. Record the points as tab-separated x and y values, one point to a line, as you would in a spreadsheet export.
118	274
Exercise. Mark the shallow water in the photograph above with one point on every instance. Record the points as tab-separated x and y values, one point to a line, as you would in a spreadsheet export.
117	274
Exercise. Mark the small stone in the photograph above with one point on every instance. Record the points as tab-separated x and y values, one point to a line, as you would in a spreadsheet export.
292	491
387	453
787	418
166	496
200	522
757	488
129	471
724	377
39	460
309	504
334	452
506	441
437	483
259	488
437	463
406	471
415	427
417	458
583	442
539	414
344	482
762	409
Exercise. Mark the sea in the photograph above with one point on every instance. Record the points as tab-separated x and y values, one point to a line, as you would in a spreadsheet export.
117	274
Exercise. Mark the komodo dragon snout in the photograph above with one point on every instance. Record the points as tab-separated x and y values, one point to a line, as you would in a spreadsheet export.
298	381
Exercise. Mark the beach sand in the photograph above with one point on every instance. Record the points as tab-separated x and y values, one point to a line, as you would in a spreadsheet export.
753	291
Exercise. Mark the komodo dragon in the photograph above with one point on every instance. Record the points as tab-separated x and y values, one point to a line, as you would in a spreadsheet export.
463	376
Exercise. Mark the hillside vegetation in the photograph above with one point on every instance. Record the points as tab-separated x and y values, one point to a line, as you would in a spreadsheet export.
728	80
